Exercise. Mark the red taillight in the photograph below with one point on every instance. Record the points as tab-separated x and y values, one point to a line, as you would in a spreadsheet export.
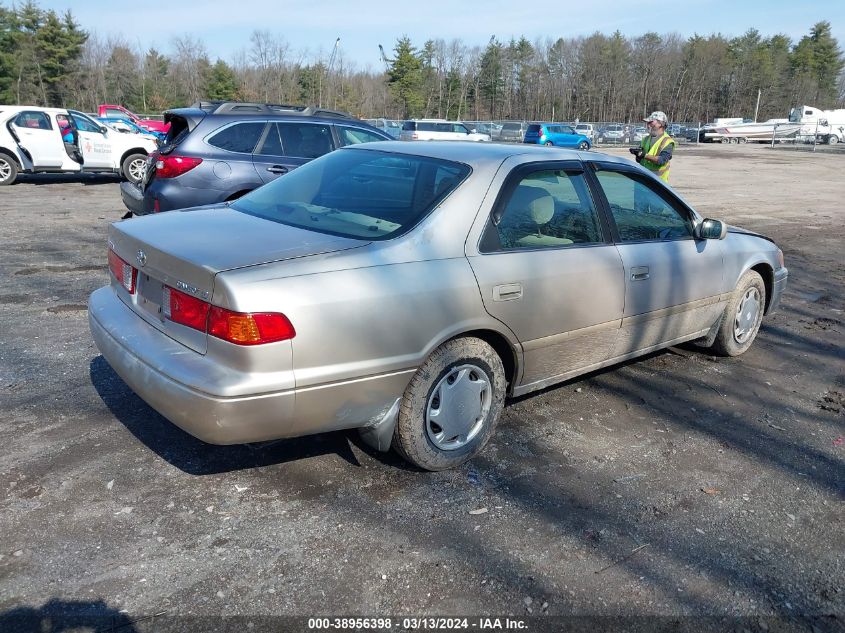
172	166
123	272
249	328
240	328
415	136
156	206
185	309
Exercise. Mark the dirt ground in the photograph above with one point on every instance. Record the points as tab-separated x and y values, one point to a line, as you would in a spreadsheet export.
670	488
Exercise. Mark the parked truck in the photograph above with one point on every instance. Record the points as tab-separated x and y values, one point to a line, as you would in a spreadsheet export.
827	126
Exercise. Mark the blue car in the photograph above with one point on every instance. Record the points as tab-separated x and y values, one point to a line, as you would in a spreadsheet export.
555	134
125	125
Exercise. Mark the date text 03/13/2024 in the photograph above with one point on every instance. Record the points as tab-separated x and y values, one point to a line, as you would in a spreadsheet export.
417	624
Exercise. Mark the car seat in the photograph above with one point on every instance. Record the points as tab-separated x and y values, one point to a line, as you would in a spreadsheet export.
528	211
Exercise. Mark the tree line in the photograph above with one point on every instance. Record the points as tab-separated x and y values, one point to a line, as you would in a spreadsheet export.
49	59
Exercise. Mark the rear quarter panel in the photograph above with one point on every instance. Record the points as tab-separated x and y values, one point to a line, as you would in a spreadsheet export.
365	321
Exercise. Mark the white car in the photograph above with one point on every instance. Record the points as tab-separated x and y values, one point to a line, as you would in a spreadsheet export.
586	129
34	139
439	130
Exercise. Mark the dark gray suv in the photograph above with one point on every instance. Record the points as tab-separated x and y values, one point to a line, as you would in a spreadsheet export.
218	151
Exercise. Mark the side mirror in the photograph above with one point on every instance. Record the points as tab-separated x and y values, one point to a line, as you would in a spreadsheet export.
710	229
103	129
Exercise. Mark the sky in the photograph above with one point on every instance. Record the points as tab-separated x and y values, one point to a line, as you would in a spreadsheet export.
311	29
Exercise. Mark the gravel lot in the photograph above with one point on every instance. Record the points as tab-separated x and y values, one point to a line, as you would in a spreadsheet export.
679	485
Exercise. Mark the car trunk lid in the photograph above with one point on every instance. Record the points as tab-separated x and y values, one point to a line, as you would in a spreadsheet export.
186	250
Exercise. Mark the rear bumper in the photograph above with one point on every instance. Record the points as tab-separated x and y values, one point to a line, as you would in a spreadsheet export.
132	197
181	384
170	194
778	287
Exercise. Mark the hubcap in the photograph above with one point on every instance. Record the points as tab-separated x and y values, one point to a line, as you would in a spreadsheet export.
746	315
5	169
136	169
458	407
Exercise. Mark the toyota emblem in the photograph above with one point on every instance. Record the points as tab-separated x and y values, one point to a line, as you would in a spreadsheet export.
141	257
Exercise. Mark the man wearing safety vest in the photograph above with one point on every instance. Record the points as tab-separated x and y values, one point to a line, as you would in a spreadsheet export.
655	151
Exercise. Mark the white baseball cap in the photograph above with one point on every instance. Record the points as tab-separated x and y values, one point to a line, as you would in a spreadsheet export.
657	115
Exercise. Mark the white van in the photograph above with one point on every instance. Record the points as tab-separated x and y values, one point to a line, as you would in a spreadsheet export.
34	140
439	130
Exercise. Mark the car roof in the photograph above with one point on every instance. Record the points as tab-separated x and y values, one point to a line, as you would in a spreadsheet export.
262	116
20	108
477	154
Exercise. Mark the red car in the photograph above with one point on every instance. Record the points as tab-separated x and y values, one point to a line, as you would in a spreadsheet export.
119	112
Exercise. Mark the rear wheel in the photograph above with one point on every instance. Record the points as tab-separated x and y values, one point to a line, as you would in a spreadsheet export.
742	317
548	143
8	170
451	406
133	167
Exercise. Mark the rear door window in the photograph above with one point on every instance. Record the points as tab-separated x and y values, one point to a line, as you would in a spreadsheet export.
240	137
34	120
272	145
306	140
547	209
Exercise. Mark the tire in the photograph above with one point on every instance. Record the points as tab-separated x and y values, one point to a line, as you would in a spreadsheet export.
548	143
133	167
8	170
832	139
470	374
583	146
742	316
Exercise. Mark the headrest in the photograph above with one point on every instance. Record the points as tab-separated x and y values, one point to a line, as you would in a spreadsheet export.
535	202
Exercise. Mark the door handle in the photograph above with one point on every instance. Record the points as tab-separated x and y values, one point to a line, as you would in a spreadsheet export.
278	169
507	292
639	273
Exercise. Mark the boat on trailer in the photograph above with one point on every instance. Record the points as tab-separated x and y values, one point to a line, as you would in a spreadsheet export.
777	129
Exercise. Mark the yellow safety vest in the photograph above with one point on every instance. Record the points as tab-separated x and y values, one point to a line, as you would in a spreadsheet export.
653	149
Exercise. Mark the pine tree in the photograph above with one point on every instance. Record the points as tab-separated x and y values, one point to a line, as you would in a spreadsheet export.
405	78
222	83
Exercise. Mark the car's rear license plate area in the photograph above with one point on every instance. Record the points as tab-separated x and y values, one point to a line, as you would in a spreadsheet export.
150	292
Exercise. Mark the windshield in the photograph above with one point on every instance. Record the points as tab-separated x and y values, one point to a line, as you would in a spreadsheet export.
356	193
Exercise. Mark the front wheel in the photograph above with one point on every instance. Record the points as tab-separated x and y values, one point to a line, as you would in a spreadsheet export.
583	146
548	143
451	406
133	167
742	317
832	139
8	170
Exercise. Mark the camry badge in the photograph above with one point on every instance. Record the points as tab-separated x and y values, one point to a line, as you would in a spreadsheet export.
141	257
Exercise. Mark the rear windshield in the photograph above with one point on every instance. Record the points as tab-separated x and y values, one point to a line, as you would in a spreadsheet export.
355	193
512	126
176	134
409	126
